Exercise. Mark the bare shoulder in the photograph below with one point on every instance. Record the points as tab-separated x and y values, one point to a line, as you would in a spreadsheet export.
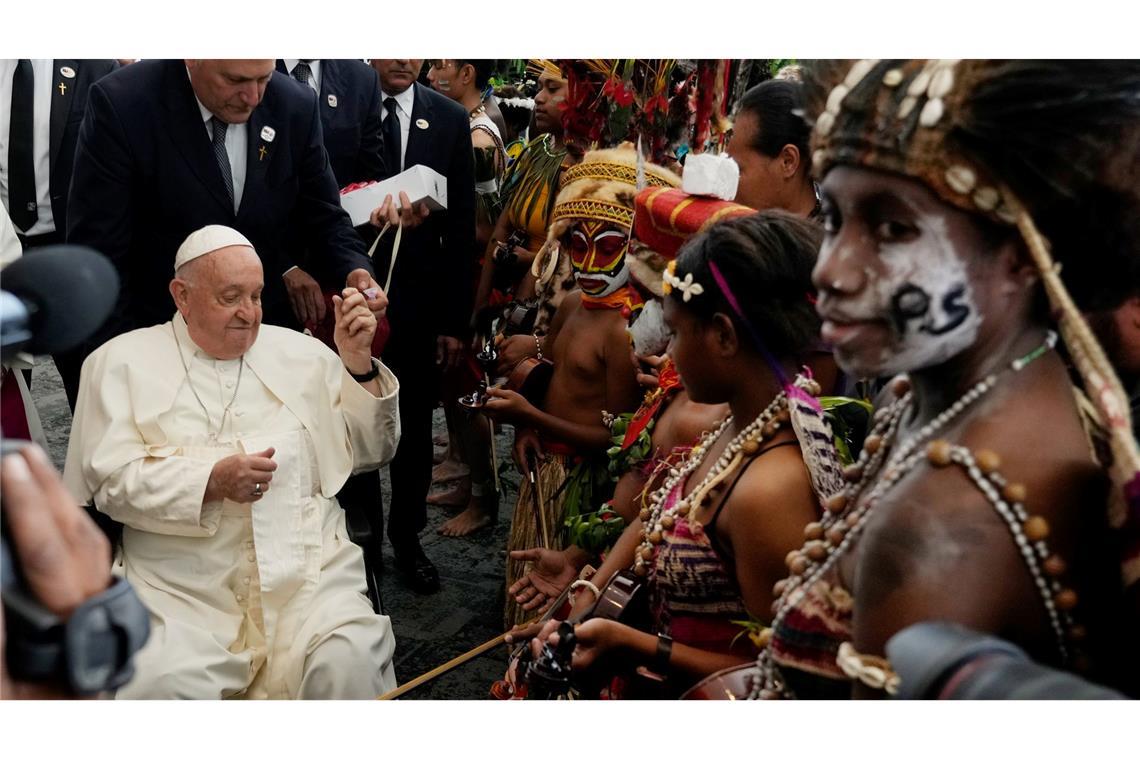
481	139
776	487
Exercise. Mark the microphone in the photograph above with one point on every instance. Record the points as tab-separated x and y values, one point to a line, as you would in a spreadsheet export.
54	298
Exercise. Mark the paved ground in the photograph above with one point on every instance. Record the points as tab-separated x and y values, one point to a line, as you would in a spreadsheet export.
430	630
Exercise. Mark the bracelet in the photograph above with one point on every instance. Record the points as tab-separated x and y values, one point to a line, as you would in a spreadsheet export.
538	345
371	374
582	583
664	651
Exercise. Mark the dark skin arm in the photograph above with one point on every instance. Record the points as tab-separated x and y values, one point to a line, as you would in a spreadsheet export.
622	393
503	229
762	520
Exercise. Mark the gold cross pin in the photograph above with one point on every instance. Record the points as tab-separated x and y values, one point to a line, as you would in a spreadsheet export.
261	153
62	88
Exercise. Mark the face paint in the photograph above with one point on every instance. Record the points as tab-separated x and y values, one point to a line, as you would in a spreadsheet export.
597	254
923	297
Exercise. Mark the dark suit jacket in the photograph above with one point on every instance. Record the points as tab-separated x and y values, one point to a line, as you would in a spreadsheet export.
146	177
432	287
351	127
66	114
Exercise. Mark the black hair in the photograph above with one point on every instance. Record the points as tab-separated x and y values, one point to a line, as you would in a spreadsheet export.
766	259
484	68
777	106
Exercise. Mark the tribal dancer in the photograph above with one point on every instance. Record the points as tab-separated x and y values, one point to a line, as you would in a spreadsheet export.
589	346
666	424
971	207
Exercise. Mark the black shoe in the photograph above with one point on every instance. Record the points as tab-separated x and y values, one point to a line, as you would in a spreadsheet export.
416	570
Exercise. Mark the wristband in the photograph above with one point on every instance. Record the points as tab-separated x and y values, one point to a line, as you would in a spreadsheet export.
664	651
582	583
371	374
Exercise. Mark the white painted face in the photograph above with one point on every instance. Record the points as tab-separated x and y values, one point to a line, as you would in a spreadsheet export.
914	307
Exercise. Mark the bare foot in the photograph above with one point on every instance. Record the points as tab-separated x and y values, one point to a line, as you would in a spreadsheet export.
467	522
456	496
447	471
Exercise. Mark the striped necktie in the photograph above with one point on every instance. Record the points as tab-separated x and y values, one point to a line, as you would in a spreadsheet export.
221	155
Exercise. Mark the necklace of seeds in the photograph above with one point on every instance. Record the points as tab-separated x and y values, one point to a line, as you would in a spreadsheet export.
213	437
746	443
846	514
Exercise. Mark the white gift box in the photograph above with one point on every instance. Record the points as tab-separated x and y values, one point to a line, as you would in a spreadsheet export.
422	184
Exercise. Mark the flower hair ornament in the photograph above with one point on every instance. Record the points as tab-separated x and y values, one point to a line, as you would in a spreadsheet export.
687	287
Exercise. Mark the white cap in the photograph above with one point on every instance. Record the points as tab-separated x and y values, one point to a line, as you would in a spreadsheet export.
210	238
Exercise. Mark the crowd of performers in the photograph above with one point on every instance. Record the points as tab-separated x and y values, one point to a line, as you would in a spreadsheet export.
780	408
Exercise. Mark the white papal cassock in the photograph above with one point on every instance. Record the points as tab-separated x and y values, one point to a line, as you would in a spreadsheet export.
256	600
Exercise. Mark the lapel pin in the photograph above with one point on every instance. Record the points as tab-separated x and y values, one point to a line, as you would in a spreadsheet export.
332	101
67	71
261	151
268	133
422	123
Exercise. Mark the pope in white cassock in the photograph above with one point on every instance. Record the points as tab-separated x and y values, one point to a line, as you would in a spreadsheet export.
220	443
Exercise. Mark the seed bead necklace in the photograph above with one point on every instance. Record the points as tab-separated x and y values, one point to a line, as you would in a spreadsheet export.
655	520
846	514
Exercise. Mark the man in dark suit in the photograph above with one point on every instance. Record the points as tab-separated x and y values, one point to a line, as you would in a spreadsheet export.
348	96
431	292
40	151
348	99
167	147
42	102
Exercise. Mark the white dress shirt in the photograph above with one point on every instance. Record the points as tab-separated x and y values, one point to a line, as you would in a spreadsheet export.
237	148
314	66
404	103
41	138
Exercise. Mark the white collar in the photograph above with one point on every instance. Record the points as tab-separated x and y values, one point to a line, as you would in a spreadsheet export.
207	114
189	347
405	100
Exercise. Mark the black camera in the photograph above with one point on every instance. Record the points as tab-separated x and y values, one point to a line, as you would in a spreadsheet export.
948	661
53	300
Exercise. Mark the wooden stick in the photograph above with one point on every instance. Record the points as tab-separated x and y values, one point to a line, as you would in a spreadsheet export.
494	456
432	674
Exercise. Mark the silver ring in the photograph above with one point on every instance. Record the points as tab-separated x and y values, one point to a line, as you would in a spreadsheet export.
257	489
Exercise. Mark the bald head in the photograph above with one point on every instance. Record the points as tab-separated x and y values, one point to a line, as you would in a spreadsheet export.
230	88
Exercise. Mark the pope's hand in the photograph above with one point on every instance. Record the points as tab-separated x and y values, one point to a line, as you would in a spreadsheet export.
243	478
375	297
355	326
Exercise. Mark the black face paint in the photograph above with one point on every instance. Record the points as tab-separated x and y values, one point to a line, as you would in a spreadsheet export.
955	311
911	302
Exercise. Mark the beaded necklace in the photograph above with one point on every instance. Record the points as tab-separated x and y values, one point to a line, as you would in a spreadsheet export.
846	514
746	443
